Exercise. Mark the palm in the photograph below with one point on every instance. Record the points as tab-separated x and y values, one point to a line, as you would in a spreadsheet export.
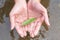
37	11
18	15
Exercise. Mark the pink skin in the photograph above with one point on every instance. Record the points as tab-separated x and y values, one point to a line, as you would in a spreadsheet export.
19	14
37	10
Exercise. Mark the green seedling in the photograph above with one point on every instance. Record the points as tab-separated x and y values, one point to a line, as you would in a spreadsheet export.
28	21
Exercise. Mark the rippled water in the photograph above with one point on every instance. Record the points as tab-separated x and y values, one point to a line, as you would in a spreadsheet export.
53	7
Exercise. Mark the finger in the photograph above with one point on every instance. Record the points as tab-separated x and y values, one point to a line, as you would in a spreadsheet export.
25	30
20	30
38	26
33	28
37	29
12	21
46	18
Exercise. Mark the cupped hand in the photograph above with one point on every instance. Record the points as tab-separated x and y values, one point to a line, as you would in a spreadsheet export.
18	15
38	11
21	12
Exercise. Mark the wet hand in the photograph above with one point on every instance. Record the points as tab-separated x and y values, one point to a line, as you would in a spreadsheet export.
18	15
38	11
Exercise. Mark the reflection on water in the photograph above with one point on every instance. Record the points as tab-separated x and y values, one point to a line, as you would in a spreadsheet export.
5	11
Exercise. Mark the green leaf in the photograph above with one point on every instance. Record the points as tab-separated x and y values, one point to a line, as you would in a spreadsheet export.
28	21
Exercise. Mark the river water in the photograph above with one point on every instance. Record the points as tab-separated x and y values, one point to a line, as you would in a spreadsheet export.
53	33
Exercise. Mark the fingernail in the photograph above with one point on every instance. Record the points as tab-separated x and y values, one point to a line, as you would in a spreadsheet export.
32	35
22	36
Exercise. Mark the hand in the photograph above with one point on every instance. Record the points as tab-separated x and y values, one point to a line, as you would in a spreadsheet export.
18	15
38	11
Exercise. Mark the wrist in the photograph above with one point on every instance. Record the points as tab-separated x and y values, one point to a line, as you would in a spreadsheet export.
37	1
19	1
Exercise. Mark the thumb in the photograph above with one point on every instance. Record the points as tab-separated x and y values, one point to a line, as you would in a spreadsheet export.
46	18
12	21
